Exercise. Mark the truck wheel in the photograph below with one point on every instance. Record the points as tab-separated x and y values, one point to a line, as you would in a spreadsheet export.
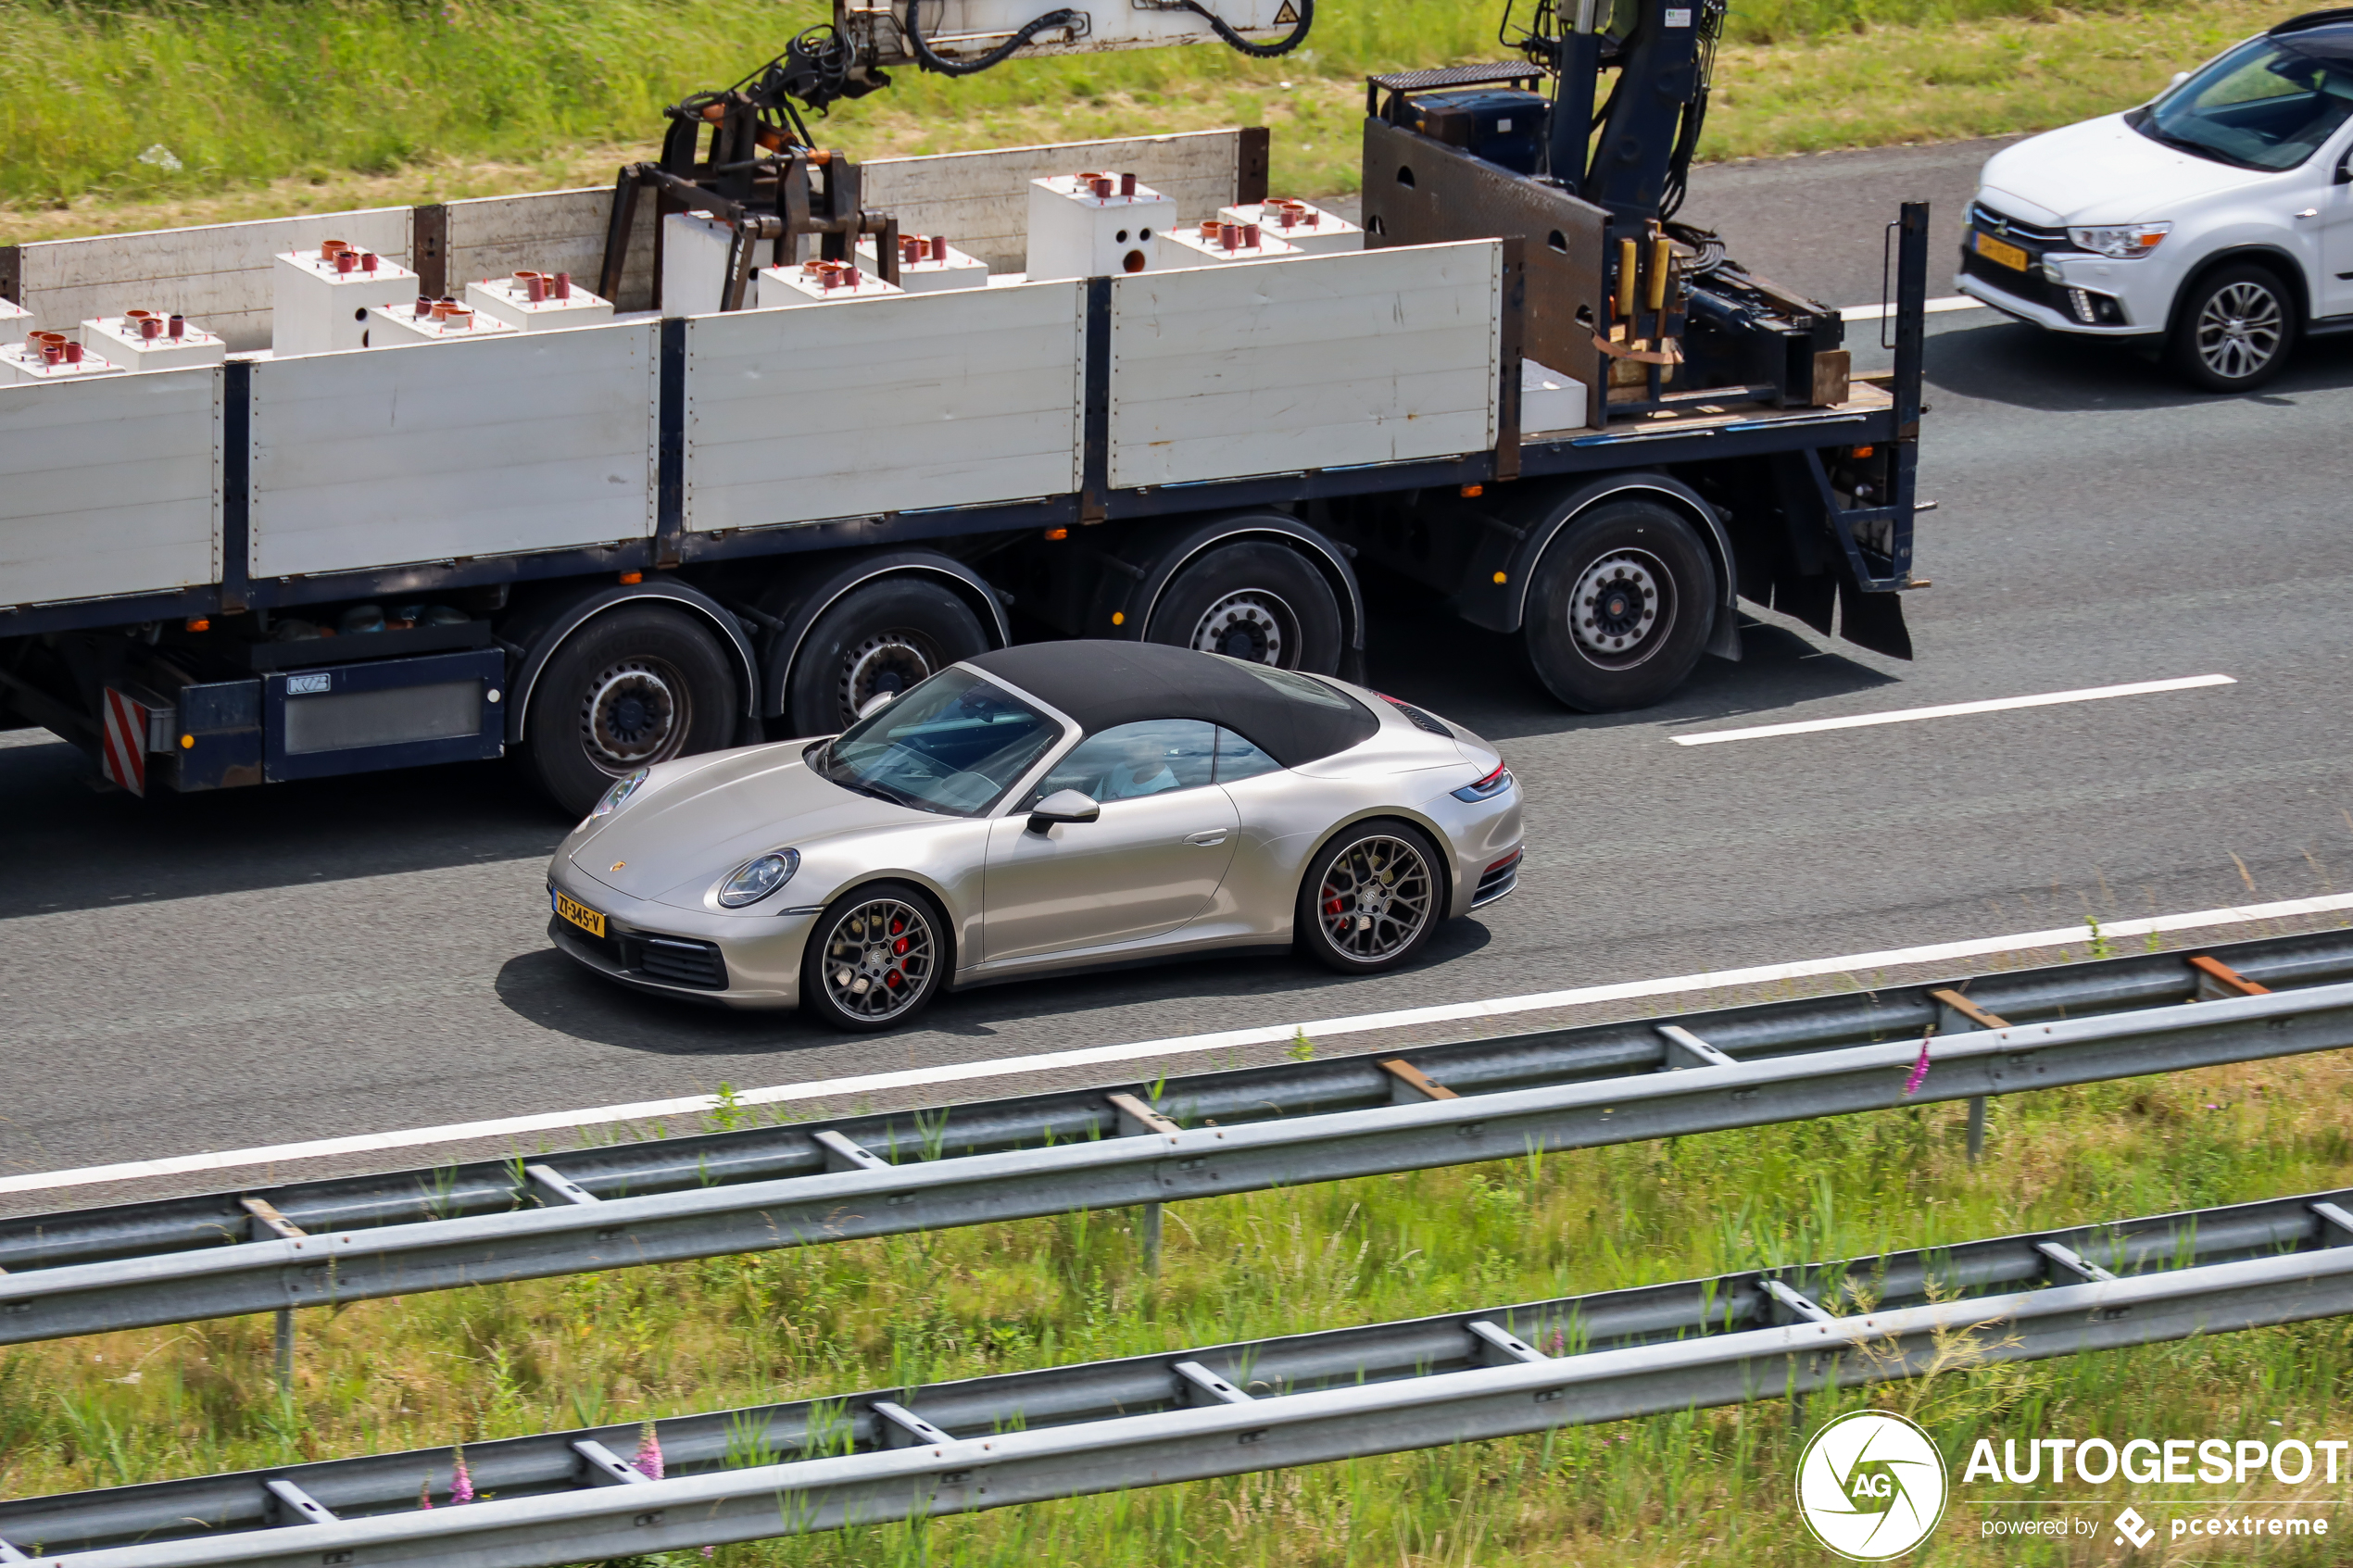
2235	329
1253	601
1621	607
635	686
882	637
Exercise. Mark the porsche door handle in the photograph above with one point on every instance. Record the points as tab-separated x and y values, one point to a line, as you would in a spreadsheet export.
1209	838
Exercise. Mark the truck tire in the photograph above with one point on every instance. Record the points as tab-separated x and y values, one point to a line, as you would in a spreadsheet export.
636	685
882	636
1620	607
1253	601
2235	329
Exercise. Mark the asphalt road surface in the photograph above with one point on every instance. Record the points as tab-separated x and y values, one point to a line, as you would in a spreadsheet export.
304	961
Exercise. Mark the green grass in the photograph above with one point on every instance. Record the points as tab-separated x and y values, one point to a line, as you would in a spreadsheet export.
407	94
1705	1485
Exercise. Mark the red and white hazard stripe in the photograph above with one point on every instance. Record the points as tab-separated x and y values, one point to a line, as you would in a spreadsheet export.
122	751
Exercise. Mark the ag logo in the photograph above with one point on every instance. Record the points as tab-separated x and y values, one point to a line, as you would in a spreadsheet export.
1870	1486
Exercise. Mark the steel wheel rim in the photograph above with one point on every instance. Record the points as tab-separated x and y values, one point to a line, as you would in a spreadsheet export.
638	712
2239	330
1375	897
879	959
888	661
1255	624
1622	609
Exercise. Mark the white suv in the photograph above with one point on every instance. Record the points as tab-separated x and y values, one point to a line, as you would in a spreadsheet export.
2215	221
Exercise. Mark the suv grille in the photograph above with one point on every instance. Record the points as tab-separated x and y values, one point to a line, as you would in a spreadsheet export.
675	960
2001	225
1421	720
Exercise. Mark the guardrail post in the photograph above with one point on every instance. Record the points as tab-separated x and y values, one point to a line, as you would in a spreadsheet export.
1148	1228
285	1348
1976	1127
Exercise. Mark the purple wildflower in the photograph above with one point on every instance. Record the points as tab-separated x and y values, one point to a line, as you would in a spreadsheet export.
461	1484
1919	1070
425	1492
648	1458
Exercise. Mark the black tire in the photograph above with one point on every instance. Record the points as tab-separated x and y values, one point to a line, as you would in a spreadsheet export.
636	685
1342	929
882	636
2235	330
836	949
1253	601
1648	593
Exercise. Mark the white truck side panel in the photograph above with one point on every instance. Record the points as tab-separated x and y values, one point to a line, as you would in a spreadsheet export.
537	441
1314	362
110	486
218	275
867	406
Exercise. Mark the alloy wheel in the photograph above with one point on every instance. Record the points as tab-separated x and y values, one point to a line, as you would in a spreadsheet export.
879	959
2239	330
1376	895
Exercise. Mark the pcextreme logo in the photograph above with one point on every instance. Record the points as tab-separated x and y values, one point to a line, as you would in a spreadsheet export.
1870	1486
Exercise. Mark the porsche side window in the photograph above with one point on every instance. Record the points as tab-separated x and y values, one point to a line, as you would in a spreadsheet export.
1238	757
1149	757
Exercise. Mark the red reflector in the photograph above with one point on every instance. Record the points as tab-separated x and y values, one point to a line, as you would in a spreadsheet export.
1501	864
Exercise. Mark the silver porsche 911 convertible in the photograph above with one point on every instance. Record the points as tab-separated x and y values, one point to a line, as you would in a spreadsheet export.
1049	807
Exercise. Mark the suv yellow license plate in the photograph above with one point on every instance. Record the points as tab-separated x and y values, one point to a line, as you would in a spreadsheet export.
2008	255
579	915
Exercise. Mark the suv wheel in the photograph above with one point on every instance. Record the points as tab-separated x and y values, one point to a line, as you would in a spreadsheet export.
2235	329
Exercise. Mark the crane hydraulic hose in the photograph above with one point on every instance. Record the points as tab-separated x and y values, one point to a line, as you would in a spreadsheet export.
1235	41
929	60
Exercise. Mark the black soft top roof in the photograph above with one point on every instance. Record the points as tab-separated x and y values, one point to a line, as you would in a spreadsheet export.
1103	682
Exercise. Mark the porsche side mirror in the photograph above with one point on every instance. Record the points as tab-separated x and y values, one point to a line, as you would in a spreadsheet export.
1063	806
2345	169
875	704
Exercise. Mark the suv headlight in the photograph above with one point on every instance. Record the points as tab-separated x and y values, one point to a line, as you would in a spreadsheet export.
623	788
757	878
2121	242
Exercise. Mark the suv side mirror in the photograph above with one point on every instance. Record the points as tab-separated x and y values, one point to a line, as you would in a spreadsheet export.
1063	806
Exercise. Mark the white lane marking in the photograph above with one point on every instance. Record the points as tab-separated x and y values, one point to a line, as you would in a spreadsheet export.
1949	709
924	1077
1934	306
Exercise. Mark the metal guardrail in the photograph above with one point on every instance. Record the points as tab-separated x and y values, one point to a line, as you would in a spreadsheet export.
1206	1136
886	1454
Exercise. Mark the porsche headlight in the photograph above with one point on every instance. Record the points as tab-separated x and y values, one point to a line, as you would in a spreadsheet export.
757	878
622	790
2121	242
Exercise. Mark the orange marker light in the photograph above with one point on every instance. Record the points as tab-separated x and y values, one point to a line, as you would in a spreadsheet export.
1469	491
633	577
1862	452
1502	578
1119	618
187	743
199	623
1058	533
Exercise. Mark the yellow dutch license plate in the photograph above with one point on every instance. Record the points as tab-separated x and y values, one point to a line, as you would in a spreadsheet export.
2008	255
579	915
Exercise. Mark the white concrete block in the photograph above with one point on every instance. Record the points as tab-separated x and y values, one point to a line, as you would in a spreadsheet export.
15	322
1094	225
389	326
815	282
1301	225
23	364
1192	246
942	265
121	340
319	306
694	263
509	299
1549	400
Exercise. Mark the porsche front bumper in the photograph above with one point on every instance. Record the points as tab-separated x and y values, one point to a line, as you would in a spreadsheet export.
743	961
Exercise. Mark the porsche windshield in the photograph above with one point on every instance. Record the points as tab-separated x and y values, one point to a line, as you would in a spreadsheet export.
2266	104
953	743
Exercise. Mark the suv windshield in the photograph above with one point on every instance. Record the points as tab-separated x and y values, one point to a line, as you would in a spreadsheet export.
2266	104
952	745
